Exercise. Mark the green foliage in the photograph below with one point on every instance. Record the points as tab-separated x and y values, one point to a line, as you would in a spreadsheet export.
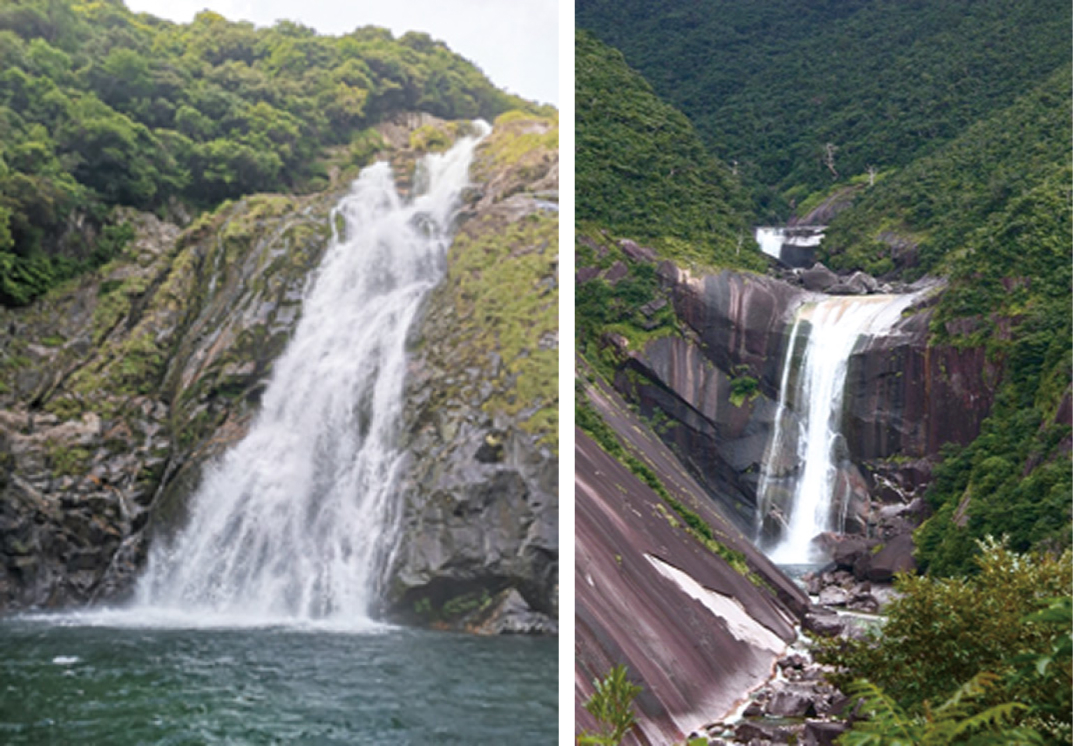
601	307
642	172
1011	290
612	706
743	388
68	461
941	199
959	719
768	85
506	300
100	107
943	632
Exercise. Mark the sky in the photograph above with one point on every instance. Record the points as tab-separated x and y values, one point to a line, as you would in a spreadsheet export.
515	42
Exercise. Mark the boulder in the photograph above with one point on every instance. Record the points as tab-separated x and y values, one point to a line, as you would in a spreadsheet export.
859	283
818	279
510	614
614	273
750	732
834	596
585	274
823	623
635	252
865	602
895	556
792	703
822	733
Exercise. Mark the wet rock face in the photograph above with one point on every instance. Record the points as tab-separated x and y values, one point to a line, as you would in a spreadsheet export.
117	391
478	532
740	320
906	398
716	386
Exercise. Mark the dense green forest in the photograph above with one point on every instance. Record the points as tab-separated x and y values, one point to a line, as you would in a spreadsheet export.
769	85
939	200
102	107
641	169
641	172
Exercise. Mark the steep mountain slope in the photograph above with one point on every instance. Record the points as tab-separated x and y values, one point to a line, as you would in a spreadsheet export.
641	169
920	219
102	107
770	85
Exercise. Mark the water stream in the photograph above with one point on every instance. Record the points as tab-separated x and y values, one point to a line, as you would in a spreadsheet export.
296	522
799	484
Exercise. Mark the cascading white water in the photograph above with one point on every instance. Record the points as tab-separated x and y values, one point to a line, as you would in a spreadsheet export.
295	522
806	452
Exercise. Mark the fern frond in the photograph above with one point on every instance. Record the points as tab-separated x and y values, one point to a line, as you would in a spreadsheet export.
991	718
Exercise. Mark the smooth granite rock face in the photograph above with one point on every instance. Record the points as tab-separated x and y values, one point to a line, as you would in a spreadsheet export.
697	625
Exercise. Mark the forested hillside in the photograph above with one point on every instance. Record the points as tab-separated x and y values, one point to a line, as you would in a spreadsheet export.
102	107
642	170
770	85
642	173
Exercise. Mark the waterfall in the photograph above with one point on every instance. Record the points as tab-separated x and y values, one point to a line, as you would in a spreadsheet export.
296	521
799	481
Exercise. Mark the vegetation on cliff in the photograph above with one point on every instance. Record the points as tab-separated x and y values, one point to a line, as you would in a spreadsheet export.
991	211
500	298
642	173
1011	294
102	107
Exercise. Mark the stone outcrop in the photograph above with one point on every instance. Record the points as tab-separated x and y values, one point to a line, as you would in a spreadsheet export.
718	382
480	521
907	397
120	388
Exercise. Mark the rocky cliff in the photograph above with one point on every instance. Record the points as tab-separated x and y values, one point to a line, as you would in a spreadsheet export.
479	539
709	382
118	389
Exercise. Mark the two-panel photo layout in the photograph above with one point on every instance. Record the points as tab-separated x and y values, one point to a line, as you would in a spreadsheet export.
310	372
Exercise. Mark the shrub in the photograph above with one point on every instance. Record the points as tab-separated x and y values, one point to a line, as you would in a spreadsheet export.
944	632
612	706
